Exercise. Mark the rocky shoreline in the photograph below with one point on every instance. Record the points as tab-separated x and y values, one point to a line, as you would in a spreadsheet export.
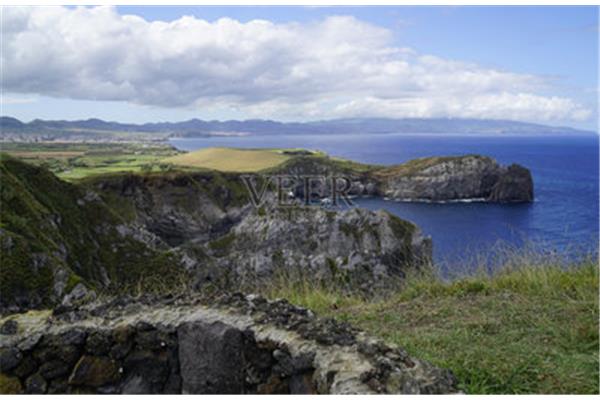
432	179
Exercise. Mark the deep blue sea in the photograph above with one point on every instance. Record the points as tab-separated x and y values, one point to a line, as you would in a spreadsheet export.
563	219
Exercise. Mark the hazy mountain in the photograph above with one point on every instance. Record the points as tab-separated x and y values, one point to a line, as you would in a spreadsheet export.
96	129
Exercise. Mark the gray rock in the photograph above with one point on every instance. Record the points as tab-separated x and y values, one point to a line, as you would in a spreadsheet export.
53	369
78	295
98	343
61	276
146	370
455	179
136	384
9	327
25	368
30	342
514	186
211	358
9	358
35	384
355	246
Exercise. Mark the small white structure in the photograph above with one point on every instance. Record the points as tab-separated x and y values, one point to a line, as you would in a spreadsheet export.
326	202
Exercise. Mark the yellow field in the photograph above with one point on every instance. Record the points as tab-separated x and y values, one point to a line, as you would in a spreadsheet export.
230	160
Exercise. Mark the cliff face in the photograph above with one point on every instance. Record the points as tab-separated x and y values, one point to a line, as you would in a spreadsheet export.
237	344
223	238
514	185
440	179
434	179
360	247
64	242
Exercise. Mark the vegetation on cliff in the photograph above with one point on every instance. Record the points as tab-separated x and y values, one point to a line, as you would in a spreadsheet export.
413	167
54	234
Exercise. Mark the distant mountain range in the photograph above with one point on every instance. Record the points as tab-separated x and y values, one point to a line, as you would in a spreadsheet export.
97	129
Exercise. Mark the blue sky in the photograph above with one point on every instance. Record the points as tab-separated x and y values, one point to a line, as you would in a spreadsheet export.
530	63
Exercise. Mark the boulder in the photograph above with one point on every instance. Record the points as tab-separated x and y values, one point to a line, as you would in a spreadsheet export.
211	357
94	372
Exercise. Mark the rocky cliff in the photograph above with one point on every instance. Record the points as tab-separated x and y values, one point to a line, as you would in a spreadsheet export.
63	242
125	231
439	179
223	238
433	179
224	345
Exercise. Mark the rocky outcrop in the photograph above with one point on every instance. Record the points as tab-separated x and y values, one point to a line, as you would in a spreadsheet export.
170	209
365	249
223	239
432	179
440	179
239	344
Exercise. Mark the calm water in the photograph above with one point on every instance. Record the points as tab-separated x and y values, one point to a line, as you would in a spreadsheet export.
563	218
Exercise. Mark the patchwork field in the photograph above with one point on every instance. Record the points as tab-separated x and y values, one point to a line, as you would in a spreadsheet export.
72	161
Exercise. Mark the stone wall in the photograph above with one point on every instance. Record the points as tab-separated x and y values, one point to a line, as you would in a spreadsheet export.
238	344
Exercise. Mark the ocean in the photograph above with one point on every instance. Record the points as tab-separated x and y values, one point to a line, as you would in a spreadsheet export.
562	221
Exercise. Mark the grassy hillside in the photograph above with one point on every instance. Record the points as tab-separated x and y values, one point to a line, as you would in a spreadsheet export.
53	234
530	328
231	160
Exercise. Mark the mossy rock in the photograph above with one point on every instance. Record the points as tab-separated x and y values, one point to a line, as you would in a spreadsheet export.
222	244
10	385
94	372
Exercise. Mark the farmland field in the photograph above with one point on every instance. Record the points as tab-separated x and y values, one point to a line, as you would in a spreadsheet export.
231	160
71	161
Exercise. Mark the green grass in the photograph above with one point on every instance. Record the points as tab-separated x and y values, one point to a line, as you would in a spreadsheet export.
417	165
531	328
74	161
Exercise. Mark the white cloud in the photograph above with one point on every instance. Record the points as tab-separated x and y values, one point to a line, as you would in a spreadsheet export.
339	66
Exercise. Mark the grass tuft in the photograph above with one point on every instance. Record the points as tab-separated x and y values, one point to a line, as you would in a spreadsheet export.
529	327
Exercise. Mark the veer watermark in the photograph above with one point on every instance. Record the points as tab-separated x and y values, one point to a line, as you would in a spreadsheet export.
299	190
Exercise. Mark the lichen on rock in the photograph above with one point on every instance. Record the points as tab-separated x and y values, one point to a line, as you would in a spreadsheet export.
231	343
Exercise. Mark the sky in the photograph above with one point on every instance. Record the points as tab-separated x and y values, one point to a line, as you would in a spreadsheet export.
157	63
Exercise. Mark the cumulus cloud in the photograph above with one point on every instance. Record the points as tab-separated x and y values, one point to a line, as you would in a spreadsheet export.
339	66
